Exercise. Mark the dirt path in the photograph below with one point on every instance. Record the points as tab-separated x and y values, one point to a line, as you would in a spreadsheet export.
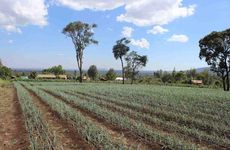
13	134
67	137
126	136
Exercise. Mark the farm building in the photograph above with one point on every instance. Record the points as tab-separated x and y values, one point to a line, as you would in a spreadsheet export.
196	82
51	76
86	78
62	77
119	79
46	76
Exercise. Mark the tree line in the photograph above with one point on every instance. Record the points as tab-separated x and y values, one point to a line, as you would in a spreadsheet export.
214	49
81	35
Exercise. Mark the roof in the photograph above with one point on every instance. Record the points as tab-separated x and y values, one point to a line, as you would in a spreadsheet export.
120	78
63	76
51	76
197	81
85	78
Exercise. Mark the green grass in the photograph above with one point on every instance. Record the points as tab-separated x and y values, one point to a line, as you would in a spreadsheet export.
4	82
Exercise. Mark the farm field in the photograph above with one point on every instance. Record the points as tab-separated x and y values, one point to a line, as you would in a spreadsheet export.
13	134
61	115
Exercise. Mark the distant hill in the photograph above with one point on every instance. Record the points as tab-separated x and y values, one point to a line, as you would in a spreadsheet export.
103	71
203	69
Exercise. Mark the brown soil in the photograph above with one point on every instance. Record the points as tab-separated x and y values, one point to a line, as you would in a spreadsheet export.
13	134
128	138
67	137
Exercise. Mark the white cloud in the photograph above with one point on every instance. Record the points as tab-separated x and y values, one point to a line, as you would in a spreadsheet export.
15	14
154	12
157	30
178	38
141	12
91	4
127	32
11	28
142	43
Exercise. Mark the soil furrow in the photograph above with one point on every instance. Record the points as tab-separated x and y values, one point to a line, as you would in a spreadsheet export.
152	124
192	138
12	123
169	117
66	135
128	138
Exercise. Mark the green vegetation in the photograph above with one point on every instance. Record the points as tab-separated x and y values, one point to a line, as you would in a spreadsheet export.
32	75
89	131
182	78
5	73
40	136
134	63
111	74
81	35
120	49
215	49
92	72
57	70
173	117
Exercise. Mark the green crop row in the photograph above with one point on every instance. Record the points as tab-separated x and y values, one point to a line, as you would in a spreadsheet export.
39	135
203	125
88	130
207	109
136	127
172	126
217	109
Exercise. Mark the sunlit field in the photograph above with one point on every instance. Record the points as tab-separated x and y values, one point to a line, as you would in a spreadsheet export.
114	116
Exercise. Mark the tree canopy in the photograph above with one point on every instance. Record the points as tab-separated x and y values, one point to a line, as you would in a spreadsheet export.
215	49
92	72
57	70
5	72
120	49
135	62
1	65
81	35
111	74
32	75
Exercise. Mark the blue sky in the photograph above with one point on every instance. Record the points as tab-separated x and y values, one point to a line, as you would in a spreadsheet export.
34	38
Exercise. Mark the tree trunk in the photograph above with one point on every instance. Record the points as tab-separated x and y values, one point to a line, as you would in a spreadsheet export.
79	63
132	76
227	81
132	79
81	73
227	76
224	86
123	72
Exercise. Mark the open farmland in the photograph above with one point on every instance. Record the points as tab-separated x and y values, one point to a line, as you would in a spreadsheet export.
11	120
113	116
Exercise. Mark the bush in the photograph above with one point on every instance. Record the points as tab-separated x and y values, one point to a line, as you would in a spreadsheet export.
5	73
92	72
111	74
33	75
